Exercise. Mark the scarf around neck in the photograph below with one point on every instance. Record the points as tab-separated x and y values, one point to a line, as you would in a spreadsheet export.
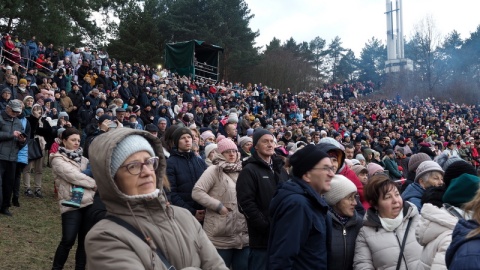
390	224
75	155
227	167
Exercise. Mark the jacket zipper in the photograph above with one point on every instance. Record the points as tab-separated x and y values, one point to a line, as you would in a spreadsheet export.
344	246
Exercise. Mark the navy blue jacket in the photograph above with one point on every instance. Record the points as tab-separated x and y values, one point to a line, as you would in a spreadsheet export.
413	193
183	171
342	242
462	254
299	228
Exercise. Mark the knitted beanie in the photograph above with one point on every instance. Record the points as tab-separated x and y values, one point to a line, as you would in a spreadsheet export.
451	160
416	160
250	131
243	140
461	190
225	144
258	134
355	161
373	168
426	167
456	169
179	132
359	157
207	134
305	159
22	81
64	115
209	148
340	187
359	169
128	146
99	110
232	118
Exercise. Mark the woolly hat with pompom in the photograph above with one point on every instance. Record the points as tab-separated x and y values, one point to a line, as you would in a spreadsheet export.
225	144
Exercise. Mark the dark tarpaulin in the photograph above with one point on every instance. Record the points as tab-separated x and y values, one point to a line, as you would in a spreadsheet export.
179	57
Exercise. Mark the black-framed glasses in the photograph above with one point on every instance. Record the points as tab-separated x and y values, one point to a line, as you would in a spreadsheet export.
135	168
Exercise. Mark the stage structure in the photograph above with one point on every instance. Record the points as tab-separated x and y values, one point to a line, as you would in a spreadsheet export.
396	60
195	59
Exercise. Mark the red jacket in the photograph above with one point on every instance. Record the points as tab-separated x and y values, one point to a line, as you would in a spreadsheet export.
348	173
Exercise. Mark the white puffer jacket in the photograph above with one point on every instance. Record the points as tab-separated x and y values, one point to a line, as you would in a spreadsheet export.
377	248
434	233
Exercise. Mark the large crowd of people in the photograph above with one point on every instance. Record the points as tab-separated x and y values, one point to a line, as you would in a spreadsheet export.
239	176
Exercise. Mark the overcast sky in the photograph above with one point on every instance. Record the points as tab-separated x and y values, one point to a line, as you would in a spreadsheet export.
355	21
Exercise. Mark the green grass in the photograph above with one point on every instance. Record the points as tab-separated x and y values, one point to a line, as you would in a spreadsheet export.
28	240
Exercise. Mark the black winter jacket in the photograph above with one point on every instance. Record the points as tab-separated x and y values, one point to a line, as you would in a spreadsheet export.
256	185
342	242
183	171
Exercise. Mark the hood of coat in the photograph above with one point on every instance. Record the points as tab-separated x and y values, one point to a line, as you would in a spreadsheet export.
372	219
413	190
101	161
433	222
459	237
328	147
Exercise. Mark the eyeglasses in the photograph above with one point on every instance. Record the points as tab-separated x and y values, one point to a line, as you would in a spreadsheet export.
326	169
135	168
353	198
231	151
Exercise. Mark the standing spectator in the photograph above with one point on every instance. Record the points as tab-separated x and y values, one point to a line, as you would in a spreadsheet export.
67	165
391	165
298	204
215	190
11	141
463	251
256	185
387	238
429	174
184	168
346	222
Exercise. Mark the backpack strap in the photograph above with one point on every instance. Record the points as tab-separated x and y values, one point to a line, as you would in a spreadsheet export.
136	232
451	209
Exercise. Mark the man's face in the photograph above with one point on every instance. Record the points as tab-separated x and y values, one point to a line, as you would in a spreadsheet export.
162	126
185	143
265	146
231	130
12	80
11	113
349	153
320	176
120	116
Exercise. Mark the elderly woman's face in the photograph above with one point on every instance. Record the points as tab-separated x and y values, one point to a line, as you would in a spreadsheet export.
346	206
142	183
390	204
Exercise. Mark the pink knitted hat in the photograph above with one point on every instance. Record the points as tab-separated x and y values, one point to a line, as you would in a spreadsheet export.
225	144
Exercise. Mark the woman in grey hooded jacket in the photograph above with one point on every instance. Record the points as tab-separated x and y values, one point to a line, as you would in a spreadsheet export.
130	167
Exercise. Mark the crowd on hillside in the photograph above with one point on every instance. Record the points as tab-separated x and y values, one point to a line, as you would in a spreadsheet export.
278	179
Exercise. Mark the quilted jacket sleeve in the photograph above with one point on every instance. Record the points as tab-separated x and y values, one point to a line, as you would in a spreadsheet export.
71	173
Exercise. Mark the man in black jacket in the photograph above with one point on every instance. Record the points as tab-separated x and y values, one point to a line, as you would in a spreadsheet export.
256	185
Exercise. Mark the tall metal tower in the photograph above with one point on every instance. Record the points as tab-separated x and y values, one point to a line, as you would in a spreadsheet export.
396	60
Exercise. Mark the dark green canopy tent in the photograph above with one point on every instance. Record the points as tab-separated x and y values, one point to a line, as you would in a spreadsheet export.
194	58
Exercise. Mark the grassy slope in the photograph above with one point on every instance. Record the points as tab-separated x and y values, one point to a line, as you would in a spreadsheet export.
29	239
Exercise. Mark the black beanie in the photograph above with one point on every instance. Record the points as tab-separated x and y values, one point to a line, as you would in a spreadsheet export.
305	159
456	169
179	132
258	133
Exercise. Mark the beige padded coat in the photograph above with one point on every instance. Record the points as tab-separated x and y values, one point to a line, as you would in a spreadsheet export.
216	187
68	173
173	230
377	248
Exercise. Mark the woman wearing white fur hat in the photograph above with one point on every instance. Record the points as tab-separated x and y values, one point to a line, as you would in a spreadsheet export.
346	222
